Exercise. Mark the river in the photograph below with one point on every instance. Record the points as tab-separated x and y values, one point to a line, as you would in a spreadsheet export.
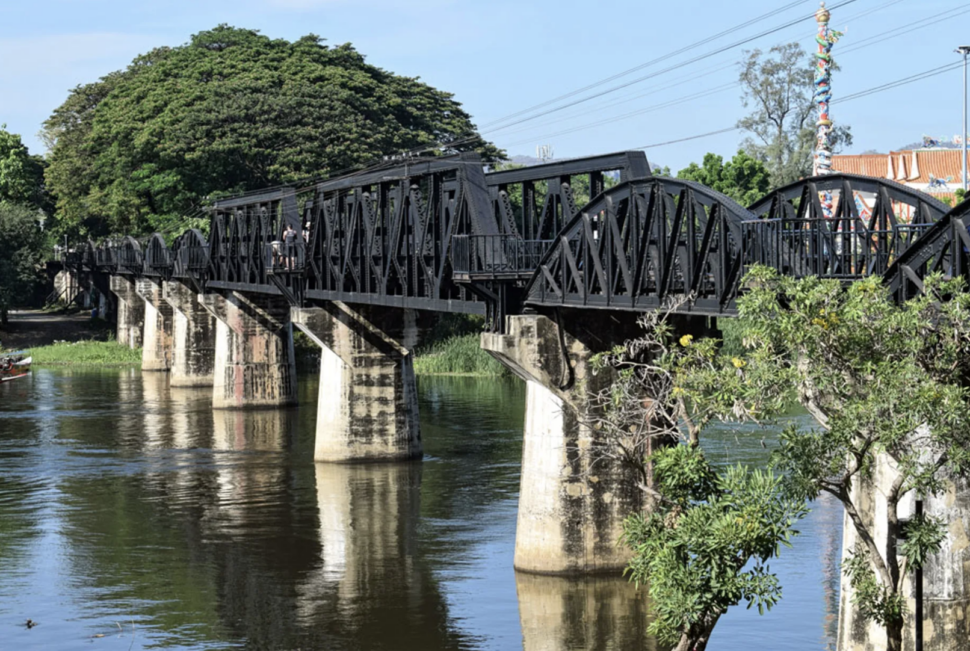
133	516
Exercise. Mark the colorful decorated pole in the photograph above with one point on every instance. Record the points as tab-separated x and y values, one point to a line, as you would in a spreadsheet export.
825	38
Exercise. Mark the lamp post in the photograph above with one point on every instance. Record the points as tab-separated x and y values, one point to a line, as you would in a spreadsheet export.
964	50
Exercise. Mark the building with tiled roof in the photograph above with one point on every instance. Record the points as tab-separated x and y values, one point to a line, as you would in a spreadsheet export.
938	172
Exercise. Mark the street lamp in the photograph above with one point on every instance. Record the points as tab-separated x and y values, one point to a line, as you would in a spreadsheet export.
964	50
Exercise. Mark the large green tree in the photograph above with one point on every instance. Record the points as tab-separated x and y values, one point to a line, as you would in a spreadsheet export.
743	178
21	174
21	244
779	87
232	110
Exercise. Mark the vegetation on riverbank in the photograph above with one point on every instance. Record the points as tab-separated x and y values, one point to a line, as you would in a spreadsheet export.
460	355
86	353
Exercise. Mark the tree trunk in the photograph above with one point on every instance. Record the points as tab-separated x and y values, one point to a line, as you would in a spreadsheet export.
697	637
894	635
3	316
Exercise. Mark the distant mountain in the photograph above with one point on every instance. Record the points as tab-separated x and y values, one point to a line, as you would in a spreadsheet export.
919	145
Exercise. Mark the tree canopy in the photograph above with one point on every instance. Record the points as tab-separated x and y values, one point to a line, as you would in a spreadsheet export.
21	174
743	178
780	86
232	110
21	243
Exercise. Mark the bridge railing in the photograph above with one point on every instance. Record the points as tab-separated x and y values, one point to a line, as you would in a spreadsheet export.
844	249
283	258
501	256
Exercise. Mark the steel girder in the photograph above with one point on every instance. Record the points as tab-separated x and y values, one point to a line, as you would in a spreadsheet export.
640	244
797	236
943	248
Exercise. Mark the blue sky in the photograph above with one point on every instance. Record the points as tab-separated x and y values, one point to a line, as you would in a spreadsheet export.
501	56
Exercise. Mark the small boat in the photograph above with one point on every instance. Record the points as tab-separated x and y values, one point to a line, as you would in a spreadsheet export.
14	365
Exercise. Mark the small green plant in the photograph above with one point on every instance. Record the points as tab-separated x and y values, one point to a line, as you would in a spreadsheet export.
457	356
86	353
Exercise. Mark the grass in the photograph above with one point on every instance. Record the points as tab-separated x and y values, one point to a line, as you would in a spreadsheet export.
86	353
460	355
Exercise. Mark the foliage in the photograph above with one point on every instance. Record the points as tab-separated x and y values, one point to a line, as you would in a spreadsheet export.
883	382
461	355
21	175
86	353
21	245
706	545
232	110
780	86
743	178
694	547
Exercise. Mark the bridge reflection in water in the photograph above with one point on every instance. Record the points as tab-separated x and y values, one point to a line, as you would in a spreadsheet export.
213	528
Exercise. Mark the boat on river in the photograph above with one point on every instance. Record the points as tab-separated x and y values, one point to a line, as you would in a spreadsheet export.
14	365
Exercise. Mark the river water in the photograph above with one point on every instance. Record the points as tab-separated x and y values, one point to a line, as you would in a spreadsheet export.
133	516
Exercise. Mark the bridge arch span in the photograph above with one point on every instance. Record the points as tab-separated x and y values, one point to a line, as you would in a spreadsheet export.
642	242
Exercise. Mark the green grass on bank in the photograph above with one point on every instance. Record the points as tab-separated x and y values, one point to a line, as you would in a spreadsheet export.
86	353
457	356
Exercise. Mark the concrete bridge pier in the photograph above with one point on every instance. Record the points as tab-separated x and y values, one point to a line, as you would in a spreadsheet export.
368	405
946	575
254	361
130	311
572	502
193	337
157	339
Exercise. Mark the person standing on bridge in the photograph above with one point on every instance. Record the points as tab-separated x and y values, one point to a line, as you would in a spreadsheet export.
289	244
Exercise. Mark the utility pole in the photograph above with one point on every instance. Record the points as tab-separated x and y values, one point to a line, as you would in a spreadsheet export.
964	50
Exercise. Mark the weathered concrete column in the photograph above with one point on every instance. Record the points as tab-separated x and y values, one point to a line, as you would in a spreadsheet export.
193	337
254	360
131	312
571	503
368	405
156	354
946	575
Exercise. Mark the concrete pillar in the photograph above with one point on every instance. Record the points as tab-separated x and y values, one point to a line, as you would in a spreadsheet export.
946	576
131	311
557	613
156	354
254	359
368	404
572	502
193	337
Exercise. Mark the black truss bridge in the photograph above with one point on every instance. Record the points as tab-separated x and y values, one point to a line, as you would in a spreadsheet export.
600	233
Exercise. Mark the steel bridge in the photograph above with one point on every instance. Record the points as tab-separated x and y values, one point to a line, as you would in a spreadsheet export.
598	233
559	258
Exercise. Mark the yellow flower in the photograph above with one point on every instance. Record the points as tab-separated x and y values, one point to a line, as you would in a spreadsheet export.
685	340
738	362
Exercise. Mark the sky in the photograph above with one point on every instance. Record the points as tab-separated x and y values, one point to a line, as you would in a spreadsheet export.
500	57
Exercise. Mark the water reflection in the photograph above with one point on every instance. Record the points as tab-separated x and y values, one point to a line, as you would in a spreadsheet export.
124	500
593	613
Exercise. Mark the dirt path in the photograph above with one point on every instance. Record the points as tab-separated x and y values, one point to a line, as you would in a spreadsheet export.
30	328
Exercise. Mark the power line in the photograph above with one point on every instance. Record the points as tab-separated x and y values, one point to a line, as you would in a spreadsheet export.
926	74
647	64
701	57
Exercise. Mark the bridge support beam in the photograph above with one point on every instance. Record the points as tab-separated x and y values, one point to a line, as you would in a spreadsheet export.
946	575
130	311
193	337
571	504
156	352
368	404
254	360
